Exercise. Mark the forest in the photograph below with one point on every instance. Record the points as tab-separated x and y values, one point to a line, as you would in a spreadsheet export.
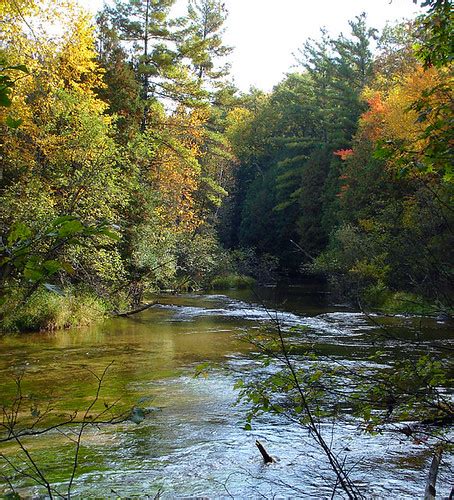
130	163
131	166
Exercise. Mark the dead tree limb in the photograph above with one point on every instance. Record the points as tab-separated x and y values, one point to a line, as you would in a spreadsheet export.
143	307
268	459
430	492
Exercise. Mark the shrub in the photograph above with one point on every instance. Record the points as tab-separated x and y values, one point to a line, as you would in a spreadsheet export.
232	281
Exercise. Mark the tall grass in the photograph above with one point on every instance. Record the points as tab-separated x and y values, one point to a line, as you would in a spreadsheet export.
46	310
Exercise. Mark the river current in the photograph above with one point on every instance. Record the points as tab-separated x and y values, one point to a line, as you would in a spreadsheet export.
191	441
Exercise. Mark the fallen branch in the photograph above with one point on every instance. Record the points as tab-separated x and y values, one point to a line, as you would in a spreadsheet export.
430	492
143	307
268	459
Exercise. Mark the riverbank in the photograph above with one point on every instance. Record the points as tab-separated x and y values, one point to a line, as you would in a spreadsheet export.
48	311
75	308
194	442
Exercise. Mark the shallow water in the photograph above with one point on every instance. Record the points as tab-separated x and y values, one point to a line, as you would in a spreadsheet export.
192	442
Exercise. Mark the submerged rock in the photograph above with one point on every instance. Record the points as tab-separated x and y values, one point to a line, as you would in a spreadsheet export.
443	316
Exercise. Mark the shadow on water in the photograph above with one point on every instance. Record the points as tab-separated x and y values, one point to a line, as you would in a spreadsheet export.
192	442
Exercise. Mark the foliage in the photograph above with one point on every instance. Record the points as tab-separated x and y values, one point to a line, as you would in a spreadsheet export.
31	258
395	222
202	42
286	141
47	310
232	281
98	148
7	84
436	29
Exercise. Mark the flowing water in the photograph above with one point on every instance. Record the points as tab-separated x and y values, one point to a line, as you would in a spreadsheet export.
192	442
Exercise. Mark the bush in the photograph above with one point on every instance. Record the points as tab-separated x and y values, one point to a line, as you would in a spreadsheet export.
232	281
376	295
46	310
408	303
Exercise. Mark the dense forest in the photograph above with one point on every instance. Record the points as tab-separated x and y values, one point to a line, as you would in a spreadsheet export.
130	163
132	170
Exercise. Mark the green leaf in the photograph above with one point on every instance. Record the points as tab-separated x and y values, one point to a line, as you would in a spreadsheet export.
5	101
18	232
67	267
12	123
20	67
70	227
247	427
32	273
64	218
111	234
52	266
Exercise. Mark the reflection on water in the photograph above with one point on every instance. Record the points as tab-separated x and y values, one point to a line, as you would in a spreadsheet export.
192	442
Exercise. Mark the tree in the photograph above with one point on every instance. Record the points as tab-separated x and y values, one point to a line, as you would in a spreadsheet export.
203	40
121	89
436	29
290	141
60	166
145	28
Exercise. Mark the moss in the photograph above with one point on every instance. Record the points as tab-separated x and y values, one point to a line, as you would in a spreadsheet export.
48	311
232	281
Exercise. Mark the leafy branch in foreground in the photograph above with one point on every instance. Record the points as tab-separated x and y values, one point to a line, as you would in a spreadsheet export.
295	393
23	419
302	383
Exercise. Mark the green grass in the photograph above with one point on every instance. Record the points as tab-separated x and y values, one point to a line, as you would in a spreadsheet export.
48	311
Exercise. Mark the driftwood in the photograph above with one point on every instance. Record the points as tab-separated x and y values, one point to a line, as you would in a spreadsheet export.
138	310
431	491
268	459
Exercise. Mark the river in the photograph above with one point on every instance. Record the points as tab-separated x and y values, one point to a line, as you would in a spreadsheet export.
192	441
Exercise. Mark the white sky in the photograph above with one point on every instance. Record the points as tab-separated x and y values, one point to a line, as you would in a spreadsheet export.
265	33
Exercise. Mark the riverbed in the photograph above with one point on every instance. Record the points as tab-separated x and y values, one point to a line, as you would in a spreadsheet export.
191	441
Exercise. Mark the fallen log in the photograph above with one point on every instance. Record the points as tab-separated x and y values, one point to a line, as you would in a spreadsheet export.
138	310
431	491
268	459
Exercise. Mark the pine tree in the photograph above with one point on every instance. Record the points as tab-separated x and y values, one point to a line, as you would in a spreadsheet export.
203	43
151	38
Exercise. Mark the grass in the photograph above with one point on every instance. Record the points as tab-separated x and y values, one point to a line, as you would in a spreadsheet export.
46	310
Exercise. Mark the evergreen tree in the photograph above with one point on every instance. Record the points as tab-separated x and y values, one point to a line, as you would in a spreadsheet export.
122	90
203	39
151	39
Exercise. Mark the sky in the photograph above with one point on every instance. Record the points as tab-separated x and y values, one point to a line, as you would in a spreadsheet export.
266	33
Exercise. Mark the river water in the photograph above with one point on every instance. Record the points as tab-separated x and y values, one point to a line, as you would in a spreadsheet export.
192	442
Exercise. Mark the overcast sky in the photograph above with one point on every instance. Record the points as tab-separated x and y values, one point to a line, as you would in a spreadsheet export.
265	33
